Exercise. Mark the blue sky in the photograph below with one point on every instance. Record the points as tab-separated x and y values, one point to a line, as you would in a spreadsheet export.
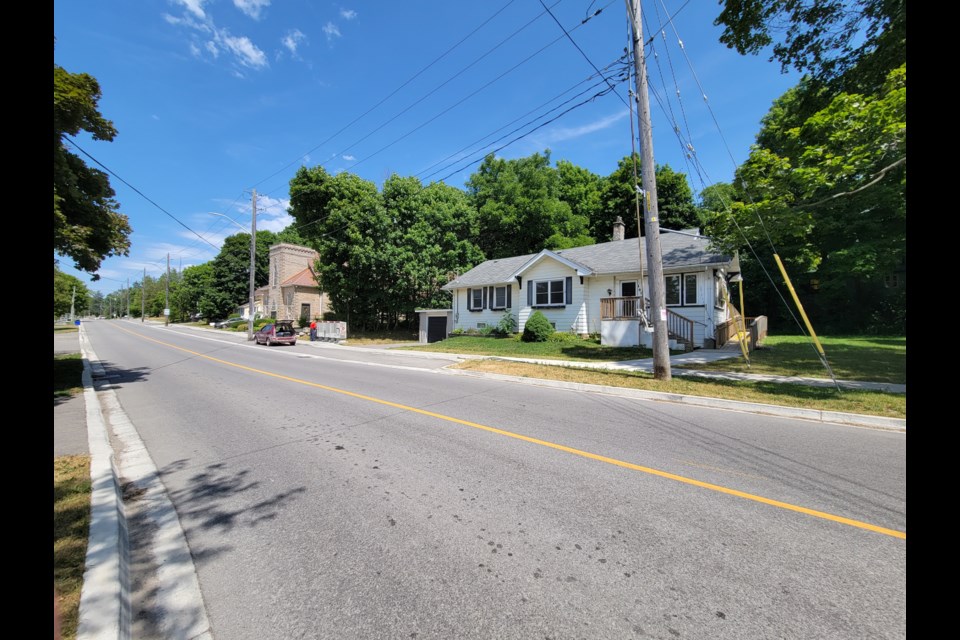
213	98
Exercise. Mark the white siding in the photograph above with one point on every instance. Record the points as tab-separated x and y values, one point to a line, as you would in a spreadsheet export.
620	333
465	319
568	318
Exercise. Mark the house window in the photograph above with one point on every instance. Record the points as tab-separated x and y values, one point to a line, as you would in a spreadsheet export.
499	298
481	325
475	299
672	290
682	290
690	288
549	293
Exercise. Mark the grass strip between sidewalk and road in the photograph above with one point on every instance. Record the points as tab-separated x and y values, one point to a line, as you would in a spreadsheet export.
889	405
67	375
71	529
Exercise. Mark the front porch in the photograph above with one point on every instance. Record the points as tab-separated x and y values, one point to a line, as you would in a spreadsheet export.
623	325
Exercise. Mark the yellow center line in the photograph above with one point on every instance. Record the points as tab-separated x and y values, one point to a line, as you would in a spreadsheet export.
559	447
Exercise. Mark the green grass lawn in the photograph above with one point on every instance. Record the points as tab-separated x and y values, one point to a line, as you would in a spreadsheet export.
865	358
67	373
71	507
891	405
71	526
578	350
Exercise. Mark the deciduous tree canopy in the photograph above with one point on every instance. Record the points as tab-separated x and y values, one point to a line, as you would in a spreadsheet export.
87	226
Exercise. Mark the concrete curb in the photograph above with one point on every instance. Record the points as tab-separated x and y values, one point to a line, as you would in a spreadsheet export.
833	417
105	595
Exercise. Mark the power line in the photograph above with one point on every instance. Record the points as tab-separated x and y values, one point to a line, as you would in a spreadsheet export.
108	170
470	95
530	122
464	148
540	126
585	56
408	81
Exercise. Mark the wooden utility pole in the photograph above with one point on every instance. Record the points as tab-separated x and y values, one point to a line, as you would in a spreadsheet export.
166	298
658	306
253	263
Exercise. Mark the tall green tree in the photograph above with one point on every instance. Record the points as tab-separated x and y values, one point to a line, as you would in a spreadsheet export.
69	290
341	216
197	281
434	236
87	226
520	210
618	198
581	189
851	44
231	273
831	196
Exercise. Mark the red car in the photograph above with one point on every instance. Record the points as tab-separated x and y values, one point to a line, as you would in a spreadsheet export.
279	332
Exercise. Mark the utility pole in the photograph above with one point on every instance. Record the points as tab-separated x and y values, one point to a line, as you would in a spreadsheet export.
658	306
72	300
143	295
253	263
128	296
166	303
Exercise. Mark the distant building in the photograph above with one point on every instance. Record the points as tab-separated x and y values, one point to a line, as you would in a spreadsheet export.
294	290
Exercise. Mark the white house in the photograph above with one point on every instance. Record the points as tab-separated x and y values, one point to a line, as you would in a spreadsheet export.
601	289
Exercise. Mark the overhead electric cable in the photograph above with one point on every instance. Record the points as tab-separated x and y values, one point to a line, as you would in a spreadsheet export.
511	132
111	172
572	41
540	126
501	128
459	102
392	93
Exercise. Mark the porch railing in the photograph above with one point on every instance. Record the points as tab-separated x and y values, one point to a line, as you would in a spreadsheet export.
755	329
631	308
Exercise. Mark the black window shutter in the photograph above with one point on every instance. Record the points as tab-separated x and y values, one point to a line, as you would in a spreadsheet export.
469	299
484	298
569	288
509	292
530	289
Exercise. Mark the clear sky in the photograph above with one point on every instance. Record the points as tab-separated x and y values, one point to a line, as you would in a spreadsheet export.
214	98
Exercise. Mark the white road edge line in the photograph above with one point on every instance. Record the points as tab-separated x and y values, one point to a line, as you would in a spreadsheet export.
182	613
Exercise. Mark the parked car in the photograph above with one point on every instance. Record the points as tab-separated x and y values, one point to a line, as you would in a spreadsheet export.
229	322
279	332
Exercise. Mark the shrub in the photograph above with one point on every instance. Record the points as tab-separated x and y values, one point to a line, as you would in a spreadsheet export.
537	328
562	336
507	324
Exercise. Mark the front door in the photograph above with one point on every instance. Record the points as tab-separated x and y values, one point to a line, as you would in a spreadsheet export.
628	308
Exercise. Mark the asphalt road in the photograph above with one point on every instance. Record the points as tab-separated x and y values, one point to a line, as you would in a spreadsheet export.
323	498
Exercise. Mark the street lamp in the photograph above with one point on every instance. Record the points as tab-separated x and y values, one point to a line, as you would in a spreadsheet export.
253	257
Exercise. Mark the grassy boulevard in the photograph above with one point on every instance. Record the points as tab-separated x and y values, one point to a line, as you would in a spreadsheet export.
874	359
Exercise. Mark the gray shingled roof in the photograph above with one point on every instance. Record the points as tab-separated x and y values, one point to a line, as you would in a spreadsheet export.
619	256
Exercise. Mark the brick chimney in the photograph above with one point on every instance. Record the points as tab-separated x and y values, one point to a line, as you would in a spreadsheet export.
618	229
